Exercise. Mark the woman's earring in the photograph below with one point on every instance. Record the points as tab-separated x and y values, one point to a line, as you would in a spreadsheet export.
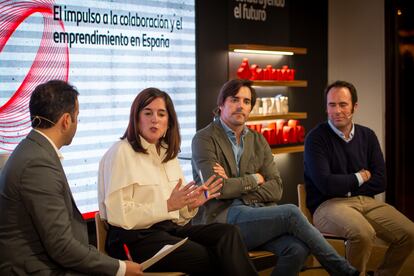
165	133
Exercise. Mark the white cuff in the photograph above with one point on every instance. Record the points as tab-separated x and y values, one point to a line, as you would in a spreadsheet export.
122	269
360	179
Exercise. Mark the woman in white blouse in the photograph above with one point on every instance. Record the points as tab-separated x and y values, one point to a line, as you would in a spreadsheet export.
143	197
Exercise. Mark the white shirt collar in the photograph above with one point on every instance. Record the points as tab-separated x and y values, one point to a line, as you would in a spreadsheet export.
340	134
59	154
152	147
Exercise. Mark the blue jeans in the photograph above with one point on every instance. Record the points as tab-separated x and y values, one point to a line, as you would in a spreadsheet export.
284	231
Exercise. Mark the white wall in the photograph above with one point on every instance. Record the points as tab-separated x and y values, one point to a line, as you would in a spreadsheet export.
356	53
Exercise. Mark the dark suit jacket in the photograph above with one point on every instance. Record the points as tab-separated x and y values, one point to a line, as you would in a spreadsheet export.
41	230
211	145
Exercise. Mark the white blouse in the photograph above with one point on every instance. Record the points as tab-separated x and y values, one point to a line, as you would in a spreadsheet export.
133	188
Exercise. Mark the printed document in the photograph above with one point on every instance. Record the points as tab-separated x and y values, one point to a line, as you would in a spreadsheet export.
167	249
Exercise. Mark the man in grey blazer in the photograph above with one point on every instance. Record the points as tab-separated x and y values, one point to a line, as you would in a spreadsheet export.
42	231
252	186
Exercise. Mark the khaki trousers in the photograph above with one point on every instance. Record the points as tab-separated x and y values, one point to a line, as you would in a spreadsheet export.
360	219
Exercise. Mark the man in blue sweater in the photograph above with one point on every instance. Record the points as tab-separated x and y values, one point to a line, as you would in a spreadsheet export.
344	170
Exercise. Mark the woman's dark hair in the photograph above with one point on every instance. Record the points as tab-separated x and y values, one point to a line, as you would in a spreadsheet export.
172	137
49	101
230	89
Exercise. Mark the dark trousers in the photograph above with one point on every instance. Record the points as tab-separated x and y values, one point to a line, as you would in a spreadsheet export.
214	249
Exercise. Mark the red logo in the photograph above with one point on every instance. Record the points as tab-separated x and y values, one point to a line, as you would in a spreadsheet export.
50	62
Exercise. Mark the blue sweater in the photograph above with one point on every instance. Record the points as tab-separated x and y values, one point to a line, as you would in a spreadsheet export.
331	164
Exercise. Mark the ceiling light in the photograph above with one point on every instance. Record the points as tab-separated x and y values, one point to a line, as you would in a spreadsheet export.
263	52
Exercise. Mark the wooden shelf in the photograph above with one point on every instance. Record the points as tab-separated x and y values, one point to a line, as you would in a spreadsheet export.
290	115
234	57
287	149
295	50
293	83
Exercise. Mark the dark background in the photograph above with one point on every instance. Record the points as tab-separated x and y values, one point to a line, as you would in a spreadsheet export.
301	24
399	38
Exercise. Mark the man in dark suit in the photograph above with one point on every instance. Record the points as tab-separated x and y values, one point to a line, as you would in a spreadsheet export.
41	230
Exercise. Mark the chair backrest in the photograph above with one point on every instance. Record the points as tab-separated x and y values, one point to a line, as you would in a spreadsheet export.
101	231
3	159
302	202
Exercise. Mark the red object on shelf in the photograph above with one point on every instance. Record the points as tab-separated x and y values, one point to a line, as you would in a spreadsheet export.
287	135
273	75
300	134
243	72
253	72
259	72
255	127
266	134
278	74
273	138
291	75
287	74
293	124
270	135
268	72
279	133
265	74
284	72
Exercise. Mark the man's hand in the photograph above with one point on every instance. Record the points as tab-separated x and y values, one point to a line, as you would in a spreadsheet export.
260	179
181	197
366	175
133	269
207	191
219	170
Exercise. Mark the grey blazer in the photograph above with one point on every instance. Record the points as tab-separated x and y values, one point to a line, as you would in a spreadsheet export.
41	230
211	145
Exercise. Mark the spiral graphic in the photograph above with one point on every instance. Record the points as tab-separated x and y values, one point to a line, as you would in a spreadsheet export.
51	62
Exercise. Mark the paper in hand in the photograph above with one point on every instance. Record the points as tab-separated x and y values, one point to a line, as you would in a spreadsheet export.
167	249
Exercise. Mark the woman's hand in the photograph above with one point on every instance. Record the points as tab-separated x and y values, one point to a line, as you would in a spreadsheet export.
206	192
181	197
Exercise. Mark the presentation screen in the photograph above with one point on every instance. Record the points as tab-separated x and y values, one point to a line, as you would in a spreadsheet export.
110	51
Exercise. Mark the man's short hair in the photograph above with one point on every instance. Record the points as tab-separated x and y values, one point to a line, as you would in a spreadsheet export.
339	84
230	89
49	101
